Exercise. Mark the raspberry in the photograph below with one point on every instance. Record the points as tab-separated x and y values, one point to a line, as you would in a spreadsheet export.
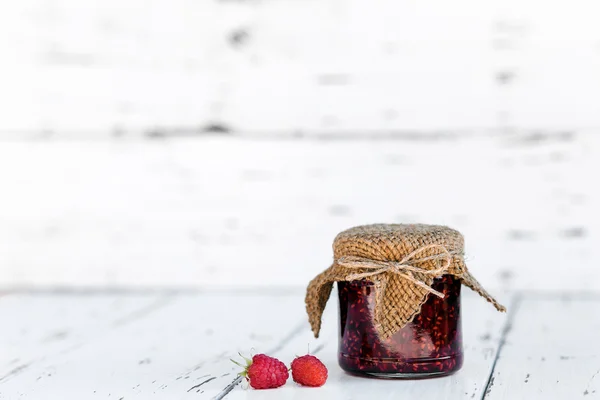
309	371
264	372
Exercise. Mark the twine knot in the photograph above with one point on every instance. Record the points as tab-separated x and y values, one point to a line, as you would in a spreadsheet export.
404	268
418	253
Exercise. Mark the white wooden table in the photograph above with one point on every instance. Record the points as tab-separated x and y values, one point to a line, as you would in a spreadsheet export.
177	345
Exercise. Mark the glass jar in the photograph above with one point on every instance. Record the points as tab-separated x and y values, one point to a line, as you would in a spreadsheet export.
430	345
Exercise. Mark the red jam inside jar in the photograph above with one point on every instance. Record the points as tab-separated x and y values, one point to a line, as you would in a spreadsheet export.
430	345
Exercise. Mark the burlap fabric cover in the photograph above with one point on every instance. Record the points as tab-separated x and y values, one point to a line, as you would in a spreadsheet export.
399	296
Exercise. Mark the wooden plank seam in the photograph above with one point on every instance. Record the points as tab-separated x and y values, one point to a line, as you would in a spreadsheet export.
513	309
295	332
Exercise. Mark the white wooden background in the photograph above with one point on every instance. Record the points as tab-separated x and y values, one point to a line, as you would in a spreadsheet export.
233	211
87	68
215	143
168	167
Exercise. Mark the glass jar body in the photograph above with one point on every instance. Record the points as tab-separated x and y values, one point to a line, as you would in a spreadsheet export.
430	345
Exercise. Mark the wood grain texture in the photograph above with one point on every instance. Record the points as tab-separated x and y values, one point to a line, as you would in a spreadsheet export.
74	69
550	351
161	352
182	349
232	211
37	329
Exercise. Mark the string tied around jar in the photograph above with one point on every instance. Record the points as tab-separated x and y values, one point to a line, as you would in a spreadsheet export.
404	268
403	260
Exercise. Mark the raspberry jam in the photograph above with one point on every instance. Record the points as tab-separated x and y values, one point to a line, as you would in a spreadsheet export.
430	345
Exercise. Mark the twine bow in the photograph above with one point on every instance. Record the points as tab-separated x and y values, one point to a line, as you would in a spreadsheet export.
409	257
404	268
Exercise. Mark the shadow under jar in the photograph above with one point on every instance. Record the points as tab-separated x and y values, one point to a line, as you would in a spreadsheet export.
430	345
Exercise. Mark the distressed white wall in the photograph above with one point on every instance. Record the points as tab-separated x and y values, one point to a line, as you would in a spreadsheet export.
219	211
84	68
487	116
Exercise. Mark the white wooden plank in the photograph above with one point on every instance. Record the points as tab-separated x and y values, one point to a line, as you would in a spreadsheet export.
482	328
38	328
166	213
550	351
74	68
182	351
539	43
163	354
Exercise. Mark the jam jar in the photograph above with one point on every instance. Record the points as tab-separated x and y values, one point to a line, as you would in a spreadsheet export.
430	345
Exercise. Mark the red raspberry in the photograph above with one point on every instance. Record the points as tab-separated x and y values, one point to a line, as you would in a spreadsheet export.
309	371
264	372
